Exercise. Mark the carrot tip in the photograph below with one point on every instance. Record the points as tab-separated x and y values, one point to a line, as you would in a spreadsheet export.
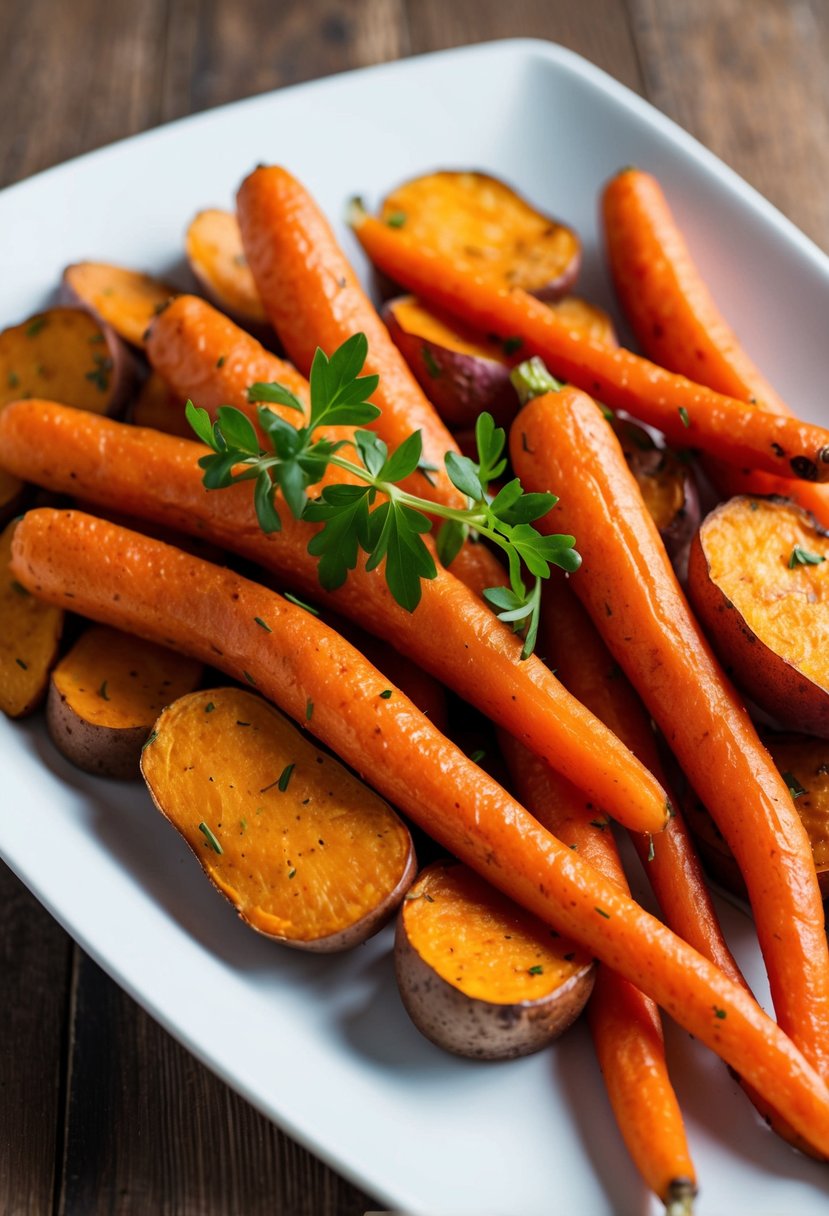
679	1198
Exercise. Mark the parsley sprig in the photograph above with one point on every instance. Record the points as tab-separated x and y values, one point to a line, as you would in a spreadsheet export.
372	512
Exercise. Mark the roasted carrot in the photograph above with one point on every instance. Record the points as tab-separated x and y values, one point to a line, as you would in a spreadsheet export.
625	1024
688	414
204	356
574	648
141	585
313	298
630	590
452	634
678	325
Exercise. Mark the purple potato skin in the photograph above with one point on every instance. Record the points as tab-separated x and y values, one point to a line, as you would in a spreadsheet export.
460	386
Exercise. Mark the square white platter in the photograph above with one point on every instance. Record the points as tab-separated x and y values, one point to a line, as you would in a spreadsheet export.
322	1045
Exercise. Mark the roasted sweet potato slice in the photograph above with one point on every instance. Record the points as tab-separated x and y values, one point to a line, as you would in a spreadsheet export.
217	259
65	355
759	580
803	760
479	976
485	226
28	641
106	693
464	372
667	484
461	372
304	851
125	299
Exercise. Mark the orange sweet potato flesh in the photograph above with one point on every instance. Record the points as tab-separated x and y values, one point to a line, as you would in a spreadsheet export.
106	693
464	372
217	259
478	975
28	640
759	580
125	299
65	355
304	851
485	226
803	761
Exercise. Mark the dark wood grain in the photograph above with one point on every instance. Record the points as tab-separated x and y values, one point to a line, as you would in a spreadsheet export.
34	965
149	1130
100	1109
750	80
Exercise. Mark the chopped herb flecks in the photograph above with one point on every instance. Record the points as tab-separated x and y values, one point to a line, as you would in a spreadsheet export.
396	219
262	625
385	694
802	557
795	788
293	599
285	777
536	970
210	838
684	415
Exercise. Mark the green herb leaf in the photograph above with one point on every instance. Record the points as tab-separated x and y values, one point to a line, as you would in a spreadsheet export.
450	540
802	557
285	777
210	838
795	788
266	512
463	473
684	415
275	394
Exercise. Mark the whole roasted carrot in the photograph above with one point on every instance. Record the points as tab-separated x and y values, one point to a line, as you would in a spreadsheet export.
677	323
688	414
313	298
574	649
452	633
204	356
143	586
629	588
624	1023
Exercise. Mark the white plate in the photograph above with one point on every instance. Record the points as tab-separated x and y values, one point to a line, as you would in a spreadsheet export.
323	1046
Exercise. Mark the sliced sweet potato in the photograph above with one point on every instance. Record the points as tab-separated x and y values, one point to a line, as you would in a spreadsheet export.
759	580
461	372
125	299
464	372
157	406
28	641
586	318
304	851
667	484
479	976
106	693
484	225
65	355
803	760
214	251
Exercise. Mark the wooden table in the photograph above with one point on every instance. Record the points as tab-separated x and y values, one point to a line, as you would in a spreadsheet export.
100	1110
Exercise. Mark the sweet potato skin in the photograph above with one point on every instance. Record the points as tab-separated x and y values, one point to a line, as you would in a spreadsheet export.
477	997
105	694
767	613
303	850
